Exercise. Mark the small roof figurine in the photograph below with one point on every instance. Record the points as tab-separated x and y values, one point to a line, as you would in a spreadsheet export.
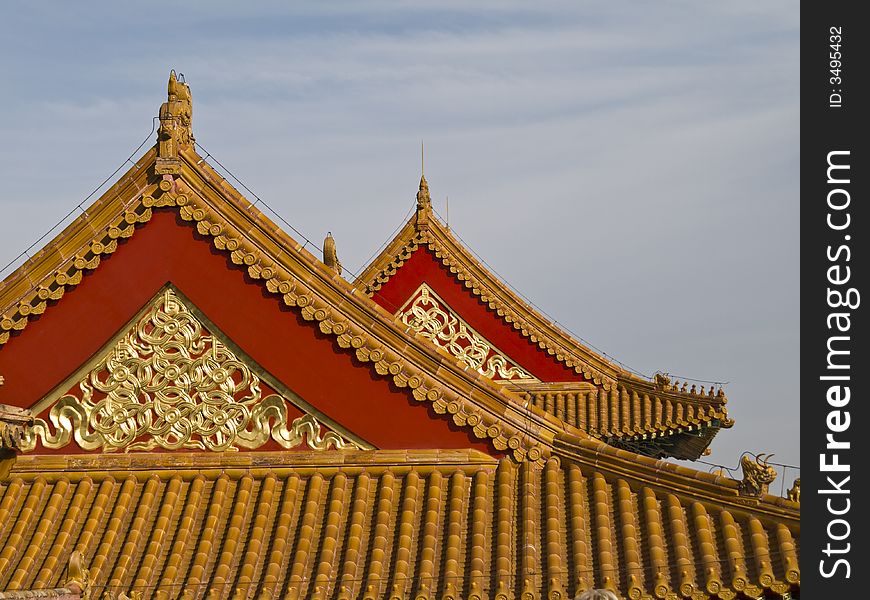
597	595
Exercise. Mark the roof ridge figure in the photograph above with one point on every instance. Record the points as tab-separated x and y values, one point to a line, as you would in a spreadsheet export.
424	201
424	205
176	116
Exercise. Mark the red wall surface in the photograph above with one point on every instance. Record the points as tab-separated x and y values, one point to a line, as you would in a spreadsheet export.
168	249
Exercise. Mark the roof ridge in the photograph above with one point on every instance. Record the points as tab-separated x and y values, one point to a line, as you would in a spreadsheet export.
72	245
670	476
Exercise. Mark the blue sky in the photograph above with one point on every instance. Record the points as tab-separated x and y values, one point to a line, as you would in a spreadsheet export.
630	167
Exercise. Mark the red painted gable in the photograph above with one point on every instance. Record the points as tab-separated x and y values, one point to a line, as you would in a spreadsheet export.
168	249
424	267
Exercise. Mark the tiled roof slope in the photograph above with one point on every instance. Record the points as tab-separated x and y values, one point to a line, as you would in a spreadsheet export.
637	415
625	395
382	524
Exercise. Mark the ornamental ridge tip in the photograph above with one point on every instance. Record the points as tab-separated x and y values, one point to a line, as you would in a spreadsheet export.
423	199
176	115
424	204
330	255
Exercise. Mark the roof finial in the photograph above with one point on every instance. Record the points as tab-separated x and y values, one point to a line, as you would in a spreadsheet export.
175	132
330	256
423	199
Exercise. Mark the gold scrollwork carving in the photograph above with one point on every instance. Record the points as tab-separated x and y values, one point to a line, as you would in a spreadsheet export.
169	384
428	315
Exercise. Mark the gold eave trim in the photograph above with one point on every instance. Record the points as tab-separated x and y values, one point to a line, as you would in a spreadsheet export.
507	305
189	465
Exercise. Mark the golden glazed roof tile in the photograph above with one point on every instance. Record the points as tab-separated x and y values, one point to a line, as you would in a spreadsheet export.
379	524
627	415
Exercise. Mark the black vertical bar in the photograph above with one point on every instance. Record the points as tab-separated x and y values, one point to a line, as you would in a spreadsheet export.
835	225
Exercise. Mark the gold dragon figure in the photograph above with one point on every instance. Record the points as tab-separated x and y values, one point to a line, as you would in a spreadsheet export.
794	494
757	474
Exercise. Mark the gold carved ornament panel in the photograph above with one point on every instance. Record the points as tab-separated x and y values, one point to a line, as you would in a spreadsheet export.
430	317
168	383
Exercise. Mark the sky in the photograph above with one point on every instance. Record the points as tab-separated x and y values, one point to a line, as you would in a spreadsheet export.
631	168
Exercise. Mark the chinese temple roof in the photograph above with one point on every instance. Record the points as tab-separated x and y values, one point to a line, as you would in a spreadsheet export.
347	456
656	417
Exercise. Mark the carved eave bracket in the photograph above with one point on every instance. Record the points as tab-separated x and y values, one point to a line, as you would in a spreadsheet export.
176	115
13	423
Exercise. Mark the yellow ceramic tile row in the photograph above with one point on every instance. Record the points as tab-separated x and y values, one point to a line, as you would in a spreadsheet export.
623	412
379	529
